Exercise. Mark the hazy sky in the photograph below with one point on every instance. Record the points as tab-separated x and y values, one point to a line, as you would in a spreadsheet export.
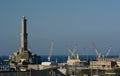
66	22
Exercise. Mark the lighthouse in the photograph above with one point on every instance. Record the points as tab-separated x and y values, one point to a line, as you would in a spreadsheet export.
23	54
24	34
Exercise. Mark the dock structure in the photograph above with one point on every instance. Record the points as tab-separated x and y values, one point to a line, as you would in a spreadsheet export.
24	63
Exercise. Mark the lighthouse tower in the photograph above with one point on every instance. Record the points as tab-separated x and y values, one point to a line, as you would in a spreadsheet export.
24	34
23	54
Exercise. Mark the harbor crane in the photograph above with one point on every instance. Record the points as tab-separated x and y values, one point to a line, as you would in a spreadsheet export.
49	62
73	59
72	52
100	54
51	49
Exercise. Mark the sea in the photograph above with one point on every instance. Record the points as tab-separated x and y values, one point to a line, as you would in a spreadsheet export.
62	58
55	58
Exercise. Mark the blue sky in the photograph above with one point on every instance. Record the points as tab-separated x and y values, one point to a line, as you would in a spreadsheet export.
66	22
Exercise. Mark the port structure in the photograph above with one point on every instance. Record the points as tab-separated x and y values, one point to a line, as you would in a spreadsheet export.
72	58
51	49
99	55
72	51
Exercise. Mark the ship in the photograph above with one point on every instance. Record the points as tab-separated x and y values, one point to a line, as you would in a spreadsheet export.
73	58
73	61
